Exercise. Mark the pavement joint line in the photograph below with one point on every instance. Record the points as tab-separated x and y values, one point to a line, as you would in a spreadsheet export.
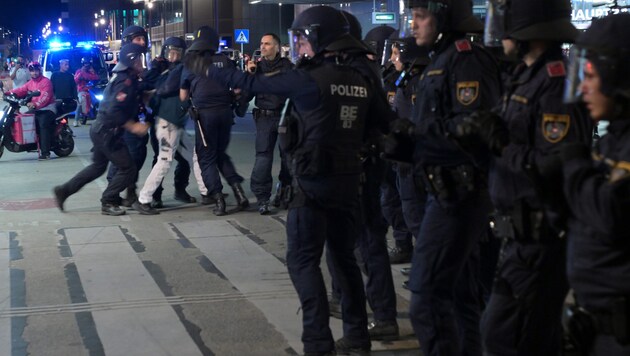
142	303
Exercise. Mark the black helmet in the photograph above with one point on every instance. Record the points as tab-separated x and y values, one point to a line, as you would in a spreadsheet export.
86	60
355	26
206	39
175	43
132	32
325	28
607	47
451	15
129	53
528	20
375	39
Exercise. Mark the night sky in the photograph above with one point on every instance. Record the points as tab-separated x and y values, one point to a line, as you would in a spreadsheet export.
29	15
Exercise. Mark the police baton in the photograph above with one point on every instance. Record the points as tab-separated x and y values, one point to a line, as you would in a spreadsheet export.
203	138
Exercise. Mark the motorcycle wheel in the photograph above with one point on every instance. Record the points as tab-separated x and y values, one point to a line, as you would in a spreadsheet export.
65	143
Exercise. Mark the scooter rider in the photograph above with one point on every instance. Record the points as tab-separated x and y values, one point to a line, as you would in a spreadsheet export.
43	105
116	114
82	77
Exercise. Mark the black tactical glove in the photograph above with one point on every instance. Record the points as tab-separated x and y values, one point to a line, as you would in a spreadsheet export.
487	126
398	145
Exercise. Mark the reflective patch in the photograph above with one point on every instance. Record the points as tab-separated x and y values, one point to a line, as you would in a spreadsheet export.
467	92
555	127
435	72
121	96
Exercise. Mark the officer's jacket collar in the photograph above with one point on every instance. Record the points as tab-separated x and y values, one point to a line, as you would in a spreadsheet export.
522	73
443	44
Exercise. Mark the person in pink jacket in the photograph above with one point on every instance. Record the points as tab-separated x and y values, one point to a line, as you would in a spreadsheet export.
82	77
43	105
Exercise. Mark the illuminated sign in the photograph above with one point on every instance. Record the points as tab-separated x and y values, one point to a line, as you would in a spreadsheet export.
383	17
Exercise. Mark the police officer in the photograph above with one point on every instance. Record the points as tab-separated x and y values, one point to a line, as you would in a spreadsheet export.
116	115
372	241
137	144
523	314
331	112
213	120
597	188
460	79
267	116
410	61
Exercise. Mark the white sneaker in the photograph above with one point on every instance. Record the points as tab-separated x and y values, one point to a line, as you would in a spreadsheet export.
76	124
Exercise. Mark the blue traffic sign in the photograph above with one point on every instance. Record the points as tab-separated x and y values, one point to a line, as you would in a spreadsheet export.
241	35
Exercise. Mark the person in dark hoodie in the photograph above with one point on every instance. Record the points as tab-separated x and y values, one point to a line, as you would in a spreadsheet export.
171	117
267	116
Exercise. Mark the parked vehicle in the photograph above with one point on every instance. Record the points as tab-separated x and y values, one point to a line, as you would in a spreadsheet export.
18	131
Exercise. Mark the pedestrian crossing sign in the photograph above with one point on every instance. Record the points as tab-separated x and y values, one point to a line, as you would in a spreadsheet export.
241	35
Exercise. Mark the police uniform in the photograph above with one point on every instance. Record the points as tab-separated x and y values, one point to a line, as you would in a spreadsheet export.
444	310
597	189
267	116
119	105
213	101
530	285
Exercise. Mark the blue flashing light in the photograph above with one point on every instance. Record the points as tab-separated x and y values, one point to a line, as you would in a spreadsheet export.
85	44
55	45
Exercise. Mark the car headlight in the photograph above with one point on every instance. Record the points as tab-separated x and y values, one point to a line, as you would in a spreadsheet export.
99	97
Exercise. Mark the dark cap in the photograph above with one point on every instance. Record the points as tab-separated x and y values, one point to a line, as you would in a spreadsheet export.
540	20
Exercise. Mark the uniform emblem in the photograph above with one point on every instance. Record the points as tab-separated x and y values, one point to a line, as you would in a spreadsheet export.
555	127
467	92
463	46
121	96
556	69
390	98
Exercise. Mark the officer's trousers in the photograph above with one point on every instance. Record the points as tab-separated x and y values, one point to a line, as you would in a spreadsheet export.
413	199
172	139
607	345
444	308
309	228
523	316
137	146
106	150
372	245
211	142
182	168
266	137
392	207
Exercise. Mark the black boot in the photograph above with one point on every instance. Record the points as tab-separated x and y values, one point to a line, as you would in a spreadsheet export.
239	195
219	208
130	198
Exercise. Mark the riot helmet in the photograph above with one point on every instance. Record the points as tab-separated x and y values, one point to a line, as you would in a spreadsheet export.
451	16
319	29
375	39
132	32
206	39
86	61
131	56
527	20
355	29
606	47
173	44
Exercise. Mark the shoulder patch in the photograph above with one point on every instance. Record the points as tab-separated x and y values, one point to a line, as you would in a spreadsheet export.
556	69
121	96
127	82
555	127
467	92
463	46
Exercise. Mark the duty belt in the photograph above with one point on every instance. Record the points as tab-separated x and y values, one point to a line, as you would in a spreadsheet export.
265	112
522	224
